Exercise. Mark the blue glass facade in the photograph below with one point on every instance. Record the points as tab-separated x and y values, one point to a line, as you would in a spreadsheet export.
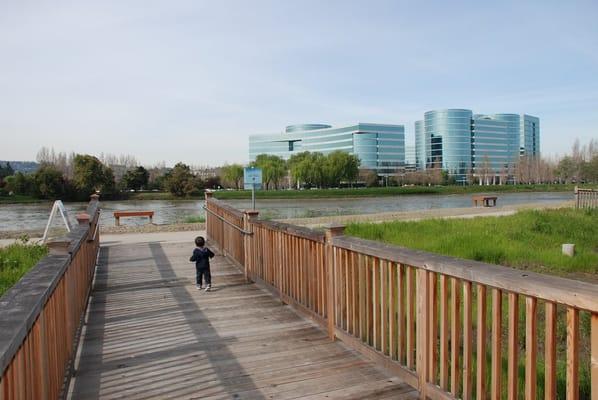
449	134
379	147
420	146
529	135
475	146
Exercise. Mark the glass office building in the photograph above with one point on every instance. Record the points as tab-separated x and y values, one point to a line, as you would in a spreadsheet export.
529	131
420	146
475	147
380	147
449	135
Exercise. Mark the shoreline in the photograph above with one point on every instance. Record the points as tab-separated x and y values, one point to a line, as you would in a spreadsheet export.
415	215
311	222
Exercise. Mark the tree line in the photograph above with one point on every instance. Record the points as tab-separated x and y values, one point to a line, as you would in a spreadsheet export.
74	177
305	169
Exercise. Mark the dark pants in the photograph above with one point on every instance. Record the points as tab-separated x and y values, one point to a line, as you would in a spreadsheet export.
203	272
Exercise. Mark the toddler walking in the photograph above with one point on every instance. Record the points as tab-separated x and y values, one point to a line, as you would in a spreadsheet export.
201	256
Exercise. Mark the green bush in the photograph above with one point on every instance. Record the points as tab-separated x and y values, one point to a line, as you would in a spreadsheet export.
16	259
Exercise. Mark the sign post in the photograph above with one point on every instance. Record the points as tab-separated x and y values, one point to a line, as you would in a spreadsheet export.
252	179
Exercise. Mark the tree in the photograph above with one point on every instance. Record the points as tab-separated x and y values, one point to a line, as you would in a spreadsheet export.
233	175
299	170
20	183
49	182
136	178
6	170
274	169
369	176
180	181
339	166
314	169
90	175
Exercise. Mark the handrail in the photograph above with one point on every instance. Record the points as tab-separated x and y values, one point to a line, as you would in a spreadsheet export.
228	222
228	208
37	344
299	231
569	292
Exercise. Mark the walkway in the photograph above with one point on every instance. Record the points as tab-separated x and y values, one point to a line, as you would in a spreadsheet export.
152	335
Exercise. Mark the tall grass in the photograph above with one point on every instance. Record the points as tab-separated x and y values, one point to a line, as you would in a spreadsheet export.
192	219
527	240
15	260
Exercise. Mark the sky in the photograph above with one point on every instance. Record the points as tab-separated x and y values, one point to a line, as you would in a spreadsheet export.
170	81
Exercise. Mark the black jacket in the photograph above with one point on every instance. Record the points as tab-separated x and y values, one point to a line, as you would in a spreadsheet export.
201	256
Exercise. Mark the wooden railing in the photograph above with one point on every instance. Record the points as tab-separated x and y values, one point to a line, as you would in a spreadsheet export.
226	228
451	328
41	315
586	198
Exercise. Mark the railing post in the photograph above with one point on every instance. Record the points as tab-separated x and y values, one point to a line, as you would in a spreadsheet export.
576	197
208	195
594	356
421	324
83	218
331	231
248	217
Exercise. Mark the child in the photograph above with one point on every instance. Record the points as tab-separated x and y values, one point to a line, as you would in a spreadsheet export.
201	256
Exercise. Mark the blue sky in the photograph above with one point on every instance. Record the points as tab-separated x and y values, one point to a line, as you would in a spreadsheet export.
190	80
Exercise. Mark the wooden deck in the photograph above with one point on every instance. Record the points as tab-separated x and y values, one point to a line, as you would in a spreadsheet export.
151	335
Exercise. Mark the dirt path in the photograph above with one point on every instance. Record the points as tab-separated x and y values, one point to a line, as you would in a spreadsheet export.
468	212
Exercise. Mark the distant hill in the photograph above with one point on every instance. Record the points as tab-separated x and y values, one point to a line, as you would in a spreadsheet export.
22	166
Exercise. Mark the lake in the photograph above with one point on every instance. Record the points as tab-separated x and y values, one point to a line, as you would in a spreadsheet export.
34	216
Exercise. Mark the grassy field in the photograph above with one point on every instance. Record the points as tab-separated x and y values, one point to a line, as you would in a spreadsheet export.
387	191
527	240
18	199
192	219
16	260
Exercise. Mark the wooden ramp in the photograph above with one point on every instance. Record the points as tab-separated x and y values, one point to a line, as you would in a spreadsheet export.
151	335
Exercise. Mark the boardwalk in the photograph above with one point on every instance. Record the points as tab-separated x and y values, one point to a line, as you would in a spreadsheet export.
151	335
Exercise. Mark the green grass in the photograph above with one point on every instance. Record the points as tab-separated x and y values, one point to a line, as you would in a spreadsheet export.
15	260
157	196
527	240
18	199
387	191
192	219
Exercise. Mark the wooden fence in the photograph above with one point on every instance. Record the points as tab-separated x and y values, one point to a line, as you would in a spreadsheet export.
41	315
586	198
451	328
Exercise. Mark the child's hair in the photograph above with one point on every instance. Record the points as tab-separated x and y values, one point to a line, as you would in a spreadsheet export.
200	241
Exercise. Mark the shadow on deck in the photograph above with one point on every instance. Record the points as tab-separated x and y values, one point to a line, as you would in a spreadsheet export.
151	334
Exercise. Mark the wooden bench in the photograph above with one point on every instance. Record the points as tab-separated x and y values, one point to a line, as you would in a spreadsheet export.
484	200
118	214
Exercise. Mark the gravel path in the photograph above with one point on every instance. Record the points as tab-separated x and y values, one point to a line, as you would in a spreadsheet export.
468	212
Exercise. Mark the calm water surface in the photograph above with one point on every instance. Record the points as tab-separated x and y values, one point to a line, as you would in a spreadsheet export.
34	216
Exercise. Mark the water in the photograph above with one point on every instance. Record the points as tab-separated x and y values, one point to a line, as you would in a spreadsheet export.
34	216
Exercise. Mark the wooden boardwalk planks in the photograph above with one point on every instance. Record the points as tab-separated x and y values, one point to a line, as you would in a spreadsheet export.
151	335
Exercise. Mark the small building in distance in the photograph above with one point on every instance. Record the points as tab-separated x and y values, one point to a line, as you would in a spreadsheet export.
380	147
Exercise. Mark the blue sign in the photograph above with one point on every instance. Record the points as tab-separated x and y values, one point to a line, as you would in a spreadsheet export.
252	178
